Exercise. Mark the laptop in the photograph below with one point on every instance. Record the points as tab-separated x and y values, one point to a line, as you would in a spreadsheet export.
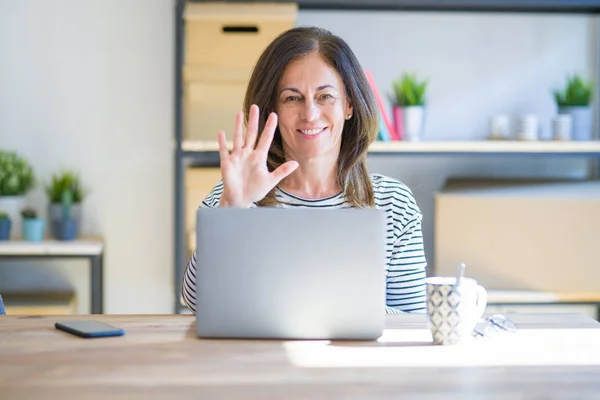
276	273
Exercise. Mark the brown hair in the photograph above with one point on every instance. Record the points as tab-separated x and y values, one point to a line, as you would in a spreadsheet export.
359	131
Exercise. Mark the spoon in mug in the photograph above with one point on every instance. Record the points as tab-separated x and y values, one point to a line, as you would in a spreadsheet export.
460	272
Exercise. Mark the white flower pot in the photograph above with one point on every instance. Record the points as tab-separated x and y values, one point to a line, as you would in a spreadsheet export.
582	122
414	121
13	205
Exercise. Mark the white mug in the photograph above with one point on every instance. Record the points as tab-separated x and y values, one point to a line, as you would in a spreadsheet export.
453	311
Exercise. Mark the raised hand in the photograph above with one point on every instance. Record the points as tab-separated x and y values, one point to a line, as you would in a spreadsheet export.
246	178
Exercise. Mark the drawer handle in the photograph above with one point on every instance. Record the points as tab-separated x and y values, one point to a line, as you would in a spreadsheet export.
240	29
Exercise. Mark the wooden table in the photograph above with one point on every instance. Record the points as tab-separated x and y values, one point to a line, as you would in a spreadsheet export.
551	356
89	249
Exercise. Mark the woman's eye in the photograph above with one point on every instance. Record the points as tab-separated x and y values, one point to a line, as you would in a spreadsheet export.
326	96
292	98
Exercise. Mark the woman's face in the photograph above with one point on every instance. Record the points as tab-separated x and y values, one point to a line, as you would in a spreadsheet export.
312	107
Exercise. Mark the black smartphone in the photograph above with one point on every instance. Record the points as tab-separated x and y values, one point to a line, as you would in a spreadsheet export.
89	328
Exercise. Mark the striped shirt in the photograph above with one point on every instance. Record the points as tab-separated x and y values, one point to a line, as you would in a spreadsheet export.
405	277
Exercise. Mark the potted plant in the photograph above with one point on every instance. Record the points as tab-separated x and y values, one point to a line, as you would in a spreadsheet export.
16	180
65	194
409	107
33	227
5	224
575	100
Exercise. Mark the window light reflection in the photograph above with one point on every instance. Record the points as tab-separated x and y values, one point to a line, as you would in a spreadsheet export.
414	348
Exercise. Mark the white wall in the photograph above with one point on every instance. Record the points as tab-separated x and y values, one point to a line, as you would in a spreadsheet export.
478	63
89	85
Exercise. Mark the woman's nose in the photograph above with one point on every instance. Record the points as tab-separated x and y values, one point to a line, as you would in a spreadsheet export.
311	111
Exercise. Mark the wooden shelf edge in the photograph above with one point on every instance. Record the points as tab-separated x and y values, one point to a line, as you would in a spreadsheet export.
50	247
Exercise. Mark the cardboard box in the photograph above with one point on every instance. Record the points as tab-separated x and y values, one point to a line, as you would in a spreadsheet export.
233	34
520	235
223	41
211	102
198	184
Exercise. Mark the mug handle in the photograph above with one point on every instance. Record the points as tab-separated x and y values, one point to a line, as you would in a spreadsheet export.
481	302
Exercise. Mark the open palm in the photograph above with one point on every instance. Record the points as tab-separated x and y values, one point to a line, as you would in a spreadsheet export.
246	178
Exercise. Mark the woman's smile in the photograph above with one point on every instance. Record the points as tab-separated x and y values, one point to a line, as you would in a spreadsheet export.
312	133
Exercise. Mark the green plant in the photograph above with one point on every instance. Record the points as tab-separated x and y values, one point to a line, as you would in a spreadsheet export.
29	213
65	181
410	91
577	93
16	175
4	215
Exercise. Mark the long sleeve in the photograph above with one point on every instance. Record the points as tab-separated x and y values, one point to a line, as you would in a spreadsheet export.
405	280
188	289
406	263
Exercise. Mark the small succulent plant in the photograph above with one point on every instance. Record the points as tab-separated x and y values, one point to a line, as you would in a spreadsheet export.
65	181
29	213
410	91
577	93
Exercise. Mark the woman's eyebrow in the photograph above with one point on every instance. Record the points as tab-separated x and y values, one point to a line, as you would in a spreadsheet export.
325	87
318	89
291	90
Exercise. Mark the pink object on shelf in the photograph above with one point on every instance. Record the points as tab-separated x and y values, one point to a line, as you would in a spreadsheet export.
398	122
384	114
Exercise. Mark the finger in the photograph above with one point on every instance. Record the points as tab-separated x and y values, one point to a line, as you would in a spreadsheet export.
264	143
252	131
238	133
223	151
283	171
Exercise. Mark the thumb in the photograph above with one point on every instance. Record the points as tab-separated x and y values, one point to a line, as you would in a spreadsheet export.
283	170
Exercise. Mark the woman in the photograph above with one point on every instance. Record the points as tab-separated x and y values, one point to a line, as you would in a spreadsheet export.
311	117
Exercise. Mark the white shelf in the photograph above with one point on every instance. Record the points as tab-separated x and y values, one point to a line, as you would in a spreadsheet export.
487	146
482	146
82	247
202	145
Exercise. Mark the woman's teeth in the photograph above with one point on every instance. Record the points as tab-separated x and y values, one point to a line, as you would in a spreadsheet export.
311	131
